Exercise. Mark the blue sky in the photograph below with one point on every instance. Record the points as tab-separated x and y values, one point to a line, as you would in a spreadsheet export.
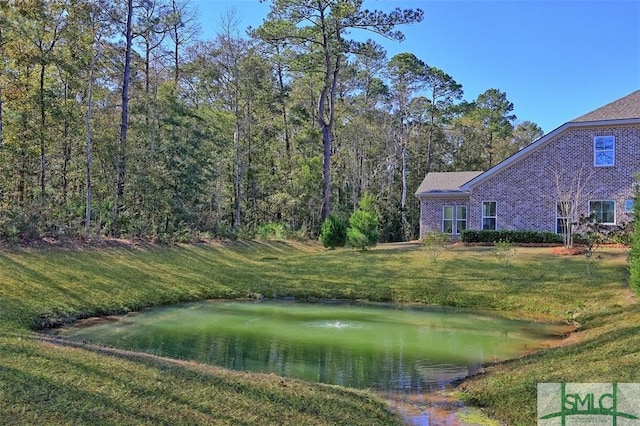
555	59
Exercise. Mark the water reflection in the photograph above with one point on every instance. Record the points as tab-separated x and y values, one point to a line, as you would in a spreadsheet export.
390	349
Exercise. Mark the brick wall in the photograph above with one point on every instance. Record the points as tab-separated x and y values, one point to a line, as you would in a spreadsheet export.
525	192
431	212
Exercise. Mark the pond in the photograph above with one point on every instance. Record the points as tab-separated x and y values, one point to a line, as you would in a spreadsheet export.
394	350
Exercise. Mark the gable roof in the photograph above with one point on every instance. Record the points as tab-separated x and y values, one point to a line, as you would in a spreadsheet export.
443	183
625	110
626	107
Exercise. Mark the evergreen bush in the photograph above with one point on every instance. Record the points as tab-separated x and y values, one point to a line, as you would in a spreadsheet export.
363	225
19	225
334	232
273	231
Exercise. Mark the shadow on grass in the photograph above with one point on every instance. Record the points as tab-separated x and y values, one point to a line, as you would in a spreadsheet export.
220	395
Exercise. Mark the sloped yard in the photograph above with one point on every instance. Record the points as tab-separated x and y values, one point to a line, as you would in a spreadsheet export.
43	382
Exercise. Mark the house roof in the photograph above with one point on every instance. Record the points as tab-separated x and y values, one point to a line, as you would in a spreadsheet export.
623	108
443	183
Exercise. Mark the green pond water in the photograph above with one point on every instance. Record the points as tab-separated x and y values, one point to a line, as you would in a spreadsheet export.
390	349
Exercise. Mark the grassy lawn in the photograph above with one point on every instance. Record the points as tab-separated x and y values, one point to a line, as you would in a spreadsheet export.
44	382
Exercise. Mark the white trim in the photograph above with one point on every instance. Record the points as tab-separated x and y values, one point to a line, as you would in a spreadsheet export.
453	219
543	141
602	201
595	162
562	217
482	216
466	217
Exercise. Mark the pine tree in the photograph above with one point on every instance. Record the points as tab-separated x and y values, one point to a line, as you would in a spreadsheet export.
363	225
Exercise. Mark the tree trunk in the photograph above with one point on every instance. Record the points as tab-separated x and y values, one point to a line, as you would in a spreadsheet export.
43	158
121	164
176	47
87	211
430	140
66	148
403	196
326	108
154	117
326	114
24	163
285	121
148	121
490	149
326	171
236	141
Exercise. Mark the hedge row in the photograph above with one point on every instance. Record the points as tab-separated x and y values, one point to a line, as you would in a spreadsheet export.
491	236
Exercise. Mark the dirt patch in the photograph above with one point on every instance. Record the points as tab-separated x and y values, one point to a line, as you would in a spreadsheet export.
88	322
568	251
581	249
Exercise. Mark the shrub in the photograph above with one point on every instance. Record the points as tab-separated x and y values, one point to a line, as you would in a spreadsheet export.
18	225
610	234
494	236
273	231
435	243
622	234
504	251
363	225
334	232
223	231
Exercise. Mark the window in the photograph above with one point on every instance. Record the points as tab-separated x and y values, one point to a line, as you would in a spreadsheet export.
489	215
461	218
447	219
563	217
604	150
628	206
604	211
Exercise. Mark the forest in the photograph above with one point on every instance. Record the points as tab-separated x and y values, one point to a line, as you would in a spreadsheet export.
119	119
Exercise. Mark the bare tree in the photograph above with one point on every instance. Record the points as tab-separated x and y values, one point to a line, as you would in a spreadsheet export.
571	191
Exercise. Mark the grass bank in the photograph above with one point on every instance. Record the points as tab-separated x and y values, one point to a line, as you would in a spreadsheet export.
44	382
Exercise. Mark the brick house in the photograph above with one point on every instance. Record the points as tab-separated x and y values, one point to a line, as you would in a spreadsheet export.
590	162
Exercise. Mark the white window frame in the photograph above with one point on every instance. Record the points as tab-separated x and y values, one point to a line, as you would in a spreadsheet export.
452	219
604	201
558	217
458	220
495	218
604	139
